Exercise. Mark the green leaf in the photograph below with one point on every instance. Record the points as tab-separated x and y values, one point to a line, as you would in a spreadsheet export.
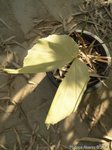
49	53
69	93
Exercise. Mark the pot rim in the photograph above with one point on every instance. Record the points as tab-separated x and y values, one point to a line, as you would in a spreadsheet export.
91	88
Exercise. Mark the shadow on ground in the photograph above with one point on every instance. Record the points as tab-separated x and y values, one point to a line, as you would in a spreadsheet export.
25	100
25	109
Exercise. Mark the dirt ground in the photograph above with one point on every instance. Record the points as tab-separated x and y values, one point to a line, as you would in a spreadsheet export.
25	99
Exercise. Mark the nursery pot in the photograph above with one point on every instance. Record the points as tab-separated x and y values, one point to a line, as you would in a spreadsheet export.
101	67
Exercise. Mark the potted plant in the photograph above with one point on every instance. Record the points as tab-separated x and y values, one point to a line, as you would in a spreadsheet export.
93	45
76	58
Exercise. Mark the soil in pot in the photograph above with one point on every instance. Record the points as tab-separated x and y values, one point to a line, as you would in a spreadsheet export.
98	56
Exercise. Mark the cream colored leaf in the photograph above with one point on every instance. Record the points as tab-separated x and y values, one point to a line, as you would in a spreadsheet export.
49	53
69	93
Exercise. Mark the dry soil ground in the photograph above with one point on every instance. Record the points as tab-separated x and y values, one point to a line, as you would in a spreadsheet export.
25	99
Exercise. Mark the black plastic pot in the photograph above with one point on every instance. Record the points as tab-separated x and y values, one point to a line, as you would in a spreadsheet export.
102	68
